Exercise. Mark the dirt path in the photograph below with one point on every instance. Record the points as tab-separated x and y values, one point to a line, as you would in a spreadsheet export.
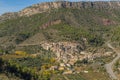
109	66
20	45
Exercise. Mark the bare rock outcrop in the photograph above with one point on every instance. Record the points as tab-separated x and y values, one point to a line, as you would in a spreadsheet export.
47	6
43	7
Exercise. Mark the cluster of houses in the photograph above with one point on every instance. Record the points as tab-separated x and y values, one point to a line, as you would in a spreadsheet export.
67	53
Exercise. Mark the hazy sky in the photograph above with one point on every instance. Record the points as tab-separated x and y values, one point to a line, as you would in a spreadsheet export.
16	5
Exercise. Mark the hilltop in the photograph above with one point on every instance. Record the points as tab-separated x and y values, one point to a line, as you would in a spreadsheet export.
43	7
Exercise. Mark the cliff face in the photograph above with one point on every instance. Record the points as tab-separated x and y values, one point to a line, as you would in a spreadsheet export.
39	8
43	7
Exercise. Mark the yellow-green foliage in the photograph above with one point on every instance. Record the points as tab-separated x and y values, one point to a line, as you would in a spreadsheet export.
45	66
52	60
20	53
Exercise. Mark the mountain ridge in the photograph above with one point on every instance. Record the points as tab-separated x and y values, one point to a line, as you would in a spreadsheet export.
48	6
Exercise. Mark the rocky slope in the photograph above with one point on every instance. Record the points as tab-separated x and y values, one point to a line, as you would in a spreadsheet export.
39	8
8	16
43	7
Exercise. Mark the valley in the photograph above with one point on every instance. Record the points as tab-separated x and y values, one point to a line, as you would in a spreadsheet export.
61	40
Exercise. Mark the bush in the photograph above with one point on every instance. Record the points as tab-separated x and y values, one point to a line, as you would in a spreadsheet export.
20	53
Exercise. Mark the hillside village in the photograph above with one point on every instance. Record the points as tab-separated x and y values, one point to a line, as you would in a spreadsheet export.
61	40
68	53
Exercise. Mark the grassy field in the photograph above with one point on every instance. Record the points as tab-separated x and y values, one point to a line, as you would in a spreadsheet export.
95	76
83	76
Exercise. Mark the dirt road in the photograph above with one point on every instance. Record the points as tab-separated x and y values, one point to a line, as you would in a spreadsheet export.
109	66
